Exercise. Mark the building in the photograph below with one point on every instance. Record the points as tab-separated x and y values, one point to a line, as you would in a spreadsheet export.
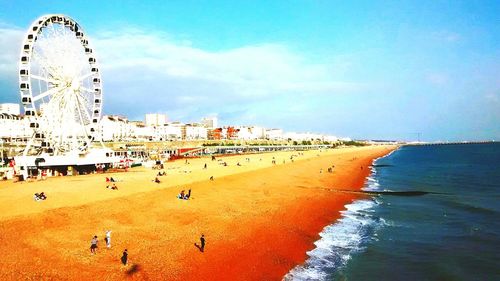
209	122
196	131
274	134
170	131
156	119
141	132
231	133
116	128
250	132
10	108
14	127
215	134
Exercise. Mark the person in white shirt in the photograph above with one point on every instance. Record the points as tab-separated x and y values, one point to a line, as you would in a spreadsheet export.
108	238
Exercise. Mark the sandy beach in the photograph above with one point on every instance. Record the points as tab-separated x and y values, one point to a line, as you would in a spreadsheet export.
259	218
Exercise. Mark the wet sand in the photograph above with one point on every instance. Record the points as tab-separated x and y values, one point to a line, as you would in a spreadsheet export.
259	219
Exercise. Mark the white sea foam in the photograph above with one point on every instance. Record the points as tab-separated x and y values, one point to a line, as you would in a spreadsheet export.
342	239
338	242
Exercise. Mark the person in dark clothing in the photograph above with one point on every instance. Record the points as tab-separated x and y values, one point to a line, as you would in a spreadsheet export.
188	195
181	195
93	245
202	241
124	258
205	166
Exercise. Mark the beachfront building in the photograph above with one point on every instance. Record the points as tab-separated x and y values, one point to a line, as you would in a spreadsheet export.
141	132
116	128
244	133
331	138
215	134
209	122
274	134
155	119
169	131
196	131
14	127
303	136
10	108
230	133
250	132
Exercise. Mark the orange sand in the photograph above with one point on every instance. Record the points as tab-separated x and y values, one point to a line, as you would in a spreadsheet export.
259	219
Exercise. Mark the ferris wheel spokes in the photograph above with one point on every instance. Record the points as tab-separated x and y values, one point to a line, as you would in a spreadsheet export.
45	79
48	93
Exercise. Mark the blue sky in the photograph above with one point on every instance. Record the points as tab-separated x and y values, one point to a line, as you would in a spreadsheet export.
362	69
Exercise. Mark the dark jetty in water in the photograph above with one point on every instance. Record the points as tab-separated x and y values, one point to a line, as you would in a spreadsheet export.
398	193
389	192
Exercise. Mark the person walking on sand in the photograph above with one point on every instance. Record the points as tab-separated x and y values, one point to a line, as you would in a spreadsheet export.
124	257
205	167
93	245
108	239
202	242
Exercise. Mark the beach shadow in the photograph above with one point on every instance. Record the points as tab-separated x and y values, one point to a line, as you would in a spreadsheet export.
199	247
134	268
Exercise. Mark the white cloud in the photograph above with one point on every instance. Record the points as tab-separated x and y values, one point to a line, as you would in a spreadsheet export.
190	82
10	43
147	71
272	66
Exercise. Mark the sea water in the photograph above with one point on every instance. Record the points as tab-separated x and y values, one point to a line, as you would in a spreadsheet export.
451	233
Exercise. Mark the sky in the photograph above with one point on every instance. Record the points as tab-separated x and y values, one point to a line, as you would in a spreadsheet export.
393	70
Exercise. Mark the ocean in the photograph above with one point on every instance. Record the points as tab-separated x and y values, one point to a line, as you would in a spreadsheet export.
450	233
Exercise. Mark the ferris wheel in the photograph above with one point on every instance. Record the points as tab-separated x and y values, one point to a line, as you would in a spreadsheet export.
60	86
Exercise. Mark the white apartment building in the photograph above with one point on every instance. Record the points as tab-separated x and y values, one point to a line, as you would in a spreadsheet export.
14	127
303	136
116	128
140	132
330	138
209	122
169	131
196	131
251	132
274	134
10	108
156	119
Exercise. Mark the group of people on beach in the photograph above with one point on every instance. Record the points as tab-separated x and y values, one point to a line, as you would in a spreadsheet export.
112	187
95	241
94	246
110	179
330	169
39	196
183	195
161	173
